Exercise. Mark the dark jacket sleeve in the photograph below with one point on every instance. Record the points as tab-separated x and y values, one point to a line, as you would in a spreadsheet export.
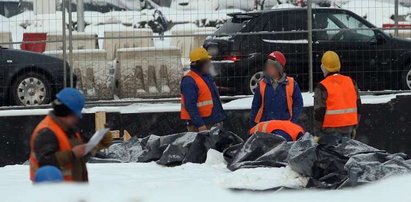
255	106
46	150
358	101
298	103
320	96
190	91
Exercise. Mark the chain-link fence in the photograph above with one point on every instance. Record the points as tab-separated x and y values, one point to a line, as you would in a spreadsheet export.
139	48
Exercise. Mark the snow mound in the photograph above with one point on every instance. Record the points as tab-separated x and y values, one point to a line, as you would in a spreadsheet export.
263	179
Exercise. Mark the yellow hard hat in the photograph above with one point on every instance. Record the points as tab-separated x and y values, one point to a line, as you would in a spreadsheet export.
331	61
198	54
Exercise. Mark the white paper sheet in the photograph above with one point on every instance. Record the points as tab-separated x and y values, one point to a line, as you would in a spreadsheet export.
95	139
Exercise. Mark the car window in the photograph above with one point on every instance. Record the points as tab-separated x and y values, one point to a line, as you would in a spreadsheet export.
285	22
341	27
231	27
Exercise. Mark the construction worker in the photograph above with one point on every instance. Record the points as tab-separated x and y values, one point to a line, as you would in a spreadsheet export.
277	96
56	141
336	103
286	129
200	101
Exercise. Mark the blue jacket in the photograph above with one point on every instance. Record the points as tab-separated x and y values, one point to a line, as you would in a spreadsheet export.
275	102
189	89
285	135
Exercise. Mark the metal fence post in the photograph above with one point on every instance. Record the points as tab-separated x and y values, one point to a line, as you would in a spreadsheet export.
310	45
63	17
80	16
396	18
70	44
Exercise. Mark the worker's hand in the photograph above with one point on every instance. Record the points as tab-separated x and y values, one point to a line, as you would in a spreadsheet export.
202	128
106	141
79	150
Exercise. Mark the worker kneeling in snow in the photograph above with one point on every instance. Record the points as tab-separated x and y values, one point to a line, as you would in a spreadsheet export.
286	129
277	96
56	141
200	101
336	103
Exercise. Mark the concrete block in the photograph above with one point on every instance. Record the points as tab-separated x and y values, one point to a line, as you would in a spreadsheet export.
95	75
186	44
5	37
81	41
111	45
149	72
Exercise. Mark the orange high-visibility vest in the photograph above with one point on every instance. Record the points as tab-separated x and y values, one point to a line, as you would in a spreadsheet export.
289	91
64	145
204	101
289	127
341	103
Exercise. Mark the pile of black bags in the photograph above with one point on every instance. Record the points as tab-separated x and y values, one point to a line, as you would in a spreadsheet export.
347	164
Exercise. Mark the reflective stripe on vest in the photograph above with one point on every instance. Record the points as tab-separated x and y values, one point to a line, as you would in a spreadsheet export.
292	129
64	145
289	90
341	102
204	101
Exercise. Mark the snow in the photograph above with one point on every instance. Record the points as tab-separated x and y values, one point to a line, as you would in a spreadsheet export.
300	41
238	104
376	12
189	182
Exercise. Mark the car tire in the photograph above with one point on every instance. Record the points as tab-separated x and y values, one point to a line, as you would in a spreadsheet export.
406	78
31	89
251	82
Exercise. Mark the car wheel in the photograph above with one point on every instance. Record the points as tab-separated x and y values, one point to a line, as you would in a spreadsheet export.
406	78
253	81
31	89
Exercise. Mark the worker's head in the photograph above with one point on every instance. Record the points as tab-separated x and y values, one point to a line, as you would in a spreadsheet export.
330	63
275	65
48	174
321	21
68	105
201	60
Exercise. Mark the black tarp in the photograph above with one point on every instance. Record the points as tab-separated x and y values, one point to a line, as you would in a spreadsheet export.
348	163
174	149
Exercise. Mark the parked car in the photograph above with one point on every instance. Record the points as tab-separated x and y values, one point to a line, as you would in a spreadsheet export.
29	78
376	60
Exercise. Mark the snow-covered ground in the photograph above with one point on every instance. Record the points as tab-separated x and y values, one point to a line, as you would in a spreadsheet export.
206	182
239	104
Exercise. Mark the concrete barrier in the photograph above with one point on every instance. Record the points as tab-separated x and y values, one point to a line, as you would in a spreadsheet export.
186	44
95	75
5	37
111	45
148	72
81	41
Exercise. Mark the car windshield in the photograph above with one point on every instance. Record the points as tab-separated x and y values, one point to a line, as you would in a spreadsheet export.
231	27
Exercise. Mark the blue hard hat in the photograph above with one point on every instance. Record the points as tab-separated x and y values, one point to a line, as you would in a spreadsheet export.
73	99
48	174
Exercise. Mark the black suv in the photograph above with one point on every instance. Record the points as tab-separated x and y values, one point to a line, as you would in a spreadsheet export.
29	78
373	58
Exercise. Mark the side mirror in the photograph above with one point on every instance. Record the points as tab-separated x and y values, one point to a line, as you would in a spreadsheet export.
379	38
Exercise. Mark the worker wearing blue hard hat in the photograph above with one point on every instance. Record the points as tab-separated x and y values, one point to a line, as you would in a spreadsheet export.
57	142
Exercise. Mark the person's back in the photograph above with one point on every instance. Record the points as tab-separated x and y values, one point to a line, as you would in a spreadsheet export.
336	102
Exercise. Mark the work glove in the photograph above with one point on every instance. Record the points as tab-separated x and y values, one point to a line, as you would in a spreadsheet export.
354	133
105	142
